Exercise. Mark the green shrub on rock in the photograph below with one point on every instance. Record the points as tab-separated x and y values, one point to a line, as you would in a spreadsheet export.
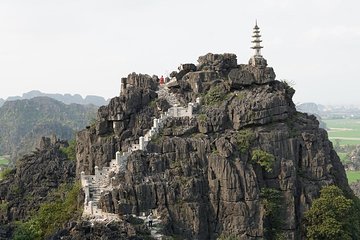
70	151
5	173
244	139
264	159
213	96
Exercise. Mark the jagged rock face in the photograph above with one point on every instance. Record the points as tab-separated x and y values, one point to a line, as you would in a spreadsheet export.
120	123
35	176
200	173
217	62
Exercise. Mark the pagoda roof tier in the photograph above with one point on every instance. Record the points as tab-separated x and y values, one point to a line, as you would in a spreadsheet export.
257	47
257	35
256	41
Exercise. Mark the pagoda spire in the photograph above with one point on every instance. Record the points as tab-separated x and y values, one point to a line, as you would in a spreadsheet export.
257	59
256	40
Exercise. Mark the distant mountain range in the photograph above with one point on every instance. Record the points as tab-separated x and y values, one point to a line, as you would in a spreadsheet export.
65	98
24	122
329	111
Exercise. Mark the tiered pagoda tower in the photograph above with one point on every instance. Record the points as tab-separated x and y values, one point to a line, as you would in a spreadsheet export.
257	59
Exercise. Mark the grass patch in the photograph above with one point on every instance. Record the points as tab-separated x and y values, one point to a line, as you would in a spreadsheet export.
347	131
52	215
343	157
4	160
353	176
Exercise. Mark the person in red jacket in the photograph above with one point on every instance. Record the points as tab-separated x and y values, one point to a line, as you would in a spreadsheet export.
161	79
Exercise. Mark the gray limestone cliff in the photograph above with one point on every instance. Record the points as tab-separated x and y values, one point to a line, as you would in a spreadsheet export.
213	174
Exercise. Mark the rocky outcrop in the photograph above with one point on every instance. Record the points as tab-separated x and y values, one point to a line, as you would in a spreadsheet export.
355	186
211	175
120	123
354	160
29	185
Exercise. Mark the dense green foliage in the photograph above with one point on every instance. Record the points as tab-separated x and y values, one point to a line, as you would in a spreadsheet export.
244	139
264	159
272	201
51	215
5	173
70	151
213	96
332	216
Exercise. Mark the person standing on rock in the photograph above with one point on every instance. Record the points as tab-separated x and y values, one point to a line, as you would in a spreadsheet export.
150	219
162	79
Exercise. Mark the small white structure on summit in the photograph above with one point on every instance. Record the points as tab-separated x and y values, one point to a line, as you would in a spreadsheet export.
257	41
257	59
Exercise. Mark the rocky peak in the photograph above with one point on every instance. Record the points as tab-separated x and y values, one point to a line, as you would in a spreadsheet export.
212	174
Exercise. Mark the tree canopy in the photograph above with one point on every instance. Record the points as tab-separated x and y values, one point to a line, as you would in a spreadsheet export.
330	216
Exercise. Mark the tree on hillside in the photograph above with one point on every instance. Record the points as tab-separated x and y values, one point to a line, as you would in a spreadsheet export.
330	216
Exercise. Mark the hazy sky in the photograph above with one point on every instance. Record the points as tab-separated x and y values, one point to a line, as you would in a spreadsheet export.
86	46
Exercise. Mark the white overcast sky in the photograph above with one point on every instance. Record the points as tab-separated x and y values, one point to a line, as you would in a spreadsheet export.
86	46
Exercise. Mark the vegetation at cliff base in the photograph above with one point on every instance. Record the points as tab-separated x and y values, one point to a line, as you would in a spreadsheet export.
332	216
264	159
52	215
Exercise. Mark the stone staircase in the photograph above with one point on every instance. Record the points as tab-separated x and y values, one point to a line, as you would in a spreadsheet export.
95	185
164	92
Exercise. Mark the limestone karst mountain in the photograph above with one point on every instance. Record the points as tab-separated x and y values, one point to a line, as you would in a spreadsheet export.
209	175
24	122
244	164
64	98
